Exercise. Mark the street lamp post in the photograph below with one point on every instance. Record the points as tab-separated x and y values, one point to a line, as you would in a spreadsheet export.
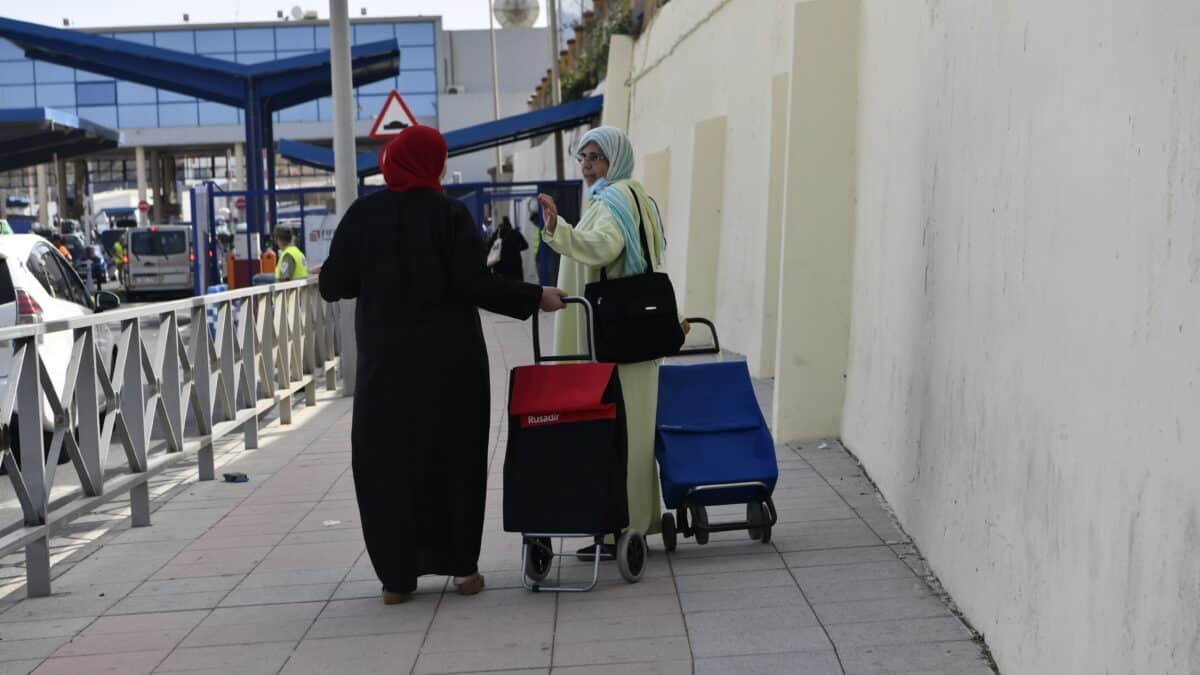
345	165
555	86
495	84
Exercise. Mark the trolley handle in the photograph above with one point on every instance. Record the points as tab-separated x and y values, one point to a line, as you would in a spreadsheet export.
697	351
591	340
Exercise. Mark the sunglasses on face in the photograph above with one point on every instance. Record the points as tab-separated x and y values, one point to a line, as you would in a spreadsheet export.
590	157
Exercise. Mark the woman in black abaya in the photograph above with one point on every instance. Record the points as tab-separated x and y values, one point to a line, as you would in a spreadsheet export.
411	256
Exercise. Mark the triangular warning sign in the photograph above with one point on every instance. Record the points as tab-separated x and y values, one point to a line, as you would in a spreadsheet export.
394	118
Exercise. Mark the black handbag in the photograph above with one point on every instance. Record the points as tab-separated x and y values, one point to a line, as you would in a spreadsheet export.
635	317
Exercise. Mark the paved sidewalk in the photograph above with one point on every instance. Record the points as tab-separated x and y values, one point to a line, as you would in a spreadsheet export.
270	576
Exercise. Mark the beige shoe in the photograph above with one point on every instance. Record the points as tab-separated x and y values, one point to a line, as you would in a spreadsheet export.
391	598
469	585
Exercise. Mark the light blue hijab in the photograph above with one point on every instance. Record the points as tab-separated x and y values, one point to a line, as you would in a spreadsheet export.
619	152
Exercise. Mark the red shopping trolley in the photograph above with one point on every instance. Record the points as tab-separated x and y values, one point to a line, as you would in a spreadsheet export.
564	468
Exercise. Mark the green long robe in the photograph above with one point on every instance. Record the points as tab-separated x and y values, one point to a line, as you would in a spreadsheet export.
594	243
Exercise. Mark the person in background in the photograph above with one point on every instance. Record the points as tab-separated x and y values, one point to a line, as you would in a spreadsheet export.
412	258
485	234
511	245
5	228
292	264
119	257
61	246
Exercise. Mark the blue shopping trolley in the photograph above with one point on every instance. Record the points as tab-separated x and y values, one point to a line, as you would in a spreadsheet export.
713	448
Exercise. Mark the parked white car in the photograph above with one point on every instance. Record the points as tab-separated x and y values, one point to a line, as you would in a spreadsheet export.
38	285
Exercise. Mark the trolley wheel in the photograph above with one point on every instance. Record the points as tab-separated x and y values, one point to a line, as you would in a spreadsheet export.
631	555
759	518
700	523
766	520
539	557
669	535
681	521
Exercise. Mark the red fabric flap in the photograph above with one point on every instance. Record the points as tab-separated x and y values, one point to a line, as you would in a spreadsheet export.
566	390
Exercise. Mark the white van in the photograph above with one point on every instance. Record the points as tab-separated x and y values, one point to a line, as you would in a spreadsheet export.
160	260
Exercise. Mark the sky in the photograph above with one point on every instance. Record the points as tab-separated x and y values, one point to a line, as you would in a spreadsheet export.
456	14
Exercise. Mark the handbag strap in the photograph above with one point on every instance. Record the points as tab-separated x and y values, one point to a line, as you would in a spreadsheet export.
641	235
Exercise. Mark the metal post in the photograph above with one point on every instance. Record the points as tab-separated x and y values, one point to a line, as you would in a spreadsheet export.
60	187
139	505
156	187
269	146
171	380
80	168
238	177
202	393
89	229
555	87
140	159
276	353
33	465
87	401
249	365
495	88
133	392
345	167
43	195
253	177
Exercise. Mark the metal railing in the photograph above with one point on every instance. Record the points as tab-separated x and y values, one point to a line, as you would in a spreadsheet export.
280	342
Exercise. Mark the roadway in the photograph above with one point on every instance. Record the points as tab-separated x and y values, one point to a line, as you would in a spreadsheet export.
66	482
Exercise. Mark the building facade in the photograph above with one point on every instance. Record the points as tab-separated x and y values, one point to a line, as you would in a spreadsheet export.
445	80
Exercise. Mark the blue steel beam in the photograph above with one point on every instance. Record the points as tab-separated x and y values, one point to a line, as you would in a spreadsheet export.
288	82
465	140
207	78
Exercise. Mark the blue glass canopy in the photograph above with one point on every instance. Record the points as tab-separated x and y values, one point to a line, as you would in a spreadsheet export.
259	89
30	136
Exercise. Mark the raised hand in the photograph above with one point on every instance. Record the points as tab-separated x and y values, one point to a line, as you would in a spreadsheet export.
549	211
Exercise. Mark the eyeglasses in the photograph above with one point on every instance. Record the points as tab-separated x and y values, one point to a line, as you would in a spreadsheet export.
591	157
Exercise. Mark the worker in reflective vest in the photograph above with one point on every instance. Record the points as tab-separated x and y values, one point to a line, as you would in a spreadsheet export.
119	257
291	265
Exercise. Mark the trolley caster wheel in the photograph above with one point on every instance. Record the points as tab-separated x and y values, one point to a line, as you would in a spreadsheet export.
700	524
539	558
631	555
759	518
669	535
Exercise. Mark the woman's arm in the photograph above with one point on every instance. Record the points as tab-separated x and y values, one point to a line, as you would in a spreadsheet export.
597	245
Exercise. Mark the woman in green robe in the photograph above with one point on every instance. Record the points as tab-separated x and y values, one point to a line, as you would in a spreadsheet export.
607	237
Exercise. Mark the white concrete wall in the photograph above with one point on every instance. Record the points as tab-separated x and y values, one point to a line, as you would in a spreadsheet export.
699	61
817	240
1023	360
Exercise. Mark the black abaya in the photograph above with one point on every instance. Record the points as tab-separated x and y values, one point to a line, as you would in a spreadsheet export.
512	243
421	405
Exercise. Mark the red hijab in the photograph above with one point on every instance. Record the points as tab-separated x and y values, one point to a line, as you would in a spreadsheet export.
414	159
